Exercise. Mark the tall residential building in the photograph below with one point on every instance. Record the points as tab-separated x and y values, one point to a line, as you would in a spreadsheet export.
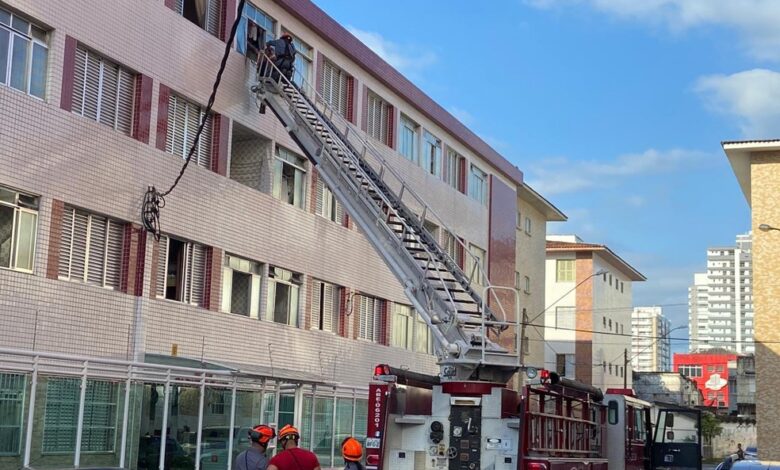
261	301
651	349
727	320
588	311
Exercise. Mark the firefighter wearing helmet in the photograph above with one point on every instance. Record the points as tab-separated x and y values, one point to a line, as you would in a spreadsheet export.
352	452
292	457
254	458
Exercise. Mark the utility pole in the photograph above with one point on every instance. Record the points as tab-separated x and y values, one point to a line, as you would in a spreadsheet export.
625	368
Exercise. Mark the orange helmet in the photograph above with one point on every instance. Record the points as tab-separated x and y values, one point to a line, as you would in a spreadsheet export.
289	432
262	434
351	449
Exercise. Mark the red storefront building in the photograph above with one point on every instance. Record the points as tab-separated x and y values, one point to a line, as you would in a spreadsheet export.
710	371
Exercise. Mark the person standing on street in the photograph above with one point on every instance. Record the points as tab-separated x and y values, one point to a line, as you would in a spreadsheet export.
293	457
254	458
352	452
740	452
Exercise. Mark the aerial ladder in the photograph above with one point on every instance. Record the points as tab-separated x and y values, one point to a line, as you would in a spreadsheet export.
392	216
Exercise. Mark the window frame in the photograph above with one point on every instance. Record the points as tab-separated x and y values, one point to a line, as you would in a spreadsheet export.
431	155
32	41
276	276
404	130
370	320
210	24
242	45
565	270
405	312
299	176
232	264
335	314
5	398
186	264
20	208
378	118
203	156
89	235
478	184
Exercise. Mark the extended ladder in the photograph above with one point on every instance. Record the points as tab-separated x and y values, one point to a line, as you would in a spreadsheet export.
378	200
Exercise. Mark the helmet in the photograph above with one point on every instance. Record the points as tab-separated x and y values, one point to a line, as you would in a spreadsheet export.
289	432
351	449
262	434
287	36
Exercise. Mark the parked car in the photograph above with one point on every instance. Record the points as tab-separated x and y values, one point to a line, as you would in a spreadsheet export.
175	456
755	465
214	453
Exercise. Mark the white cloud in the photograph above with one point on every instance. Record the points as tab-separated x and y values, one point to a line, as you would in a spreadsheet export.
751	95
405	58
560	175
755	20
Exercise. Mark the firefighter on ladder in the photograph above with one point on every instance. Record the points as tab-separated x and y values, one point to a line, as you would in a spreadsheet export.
352	452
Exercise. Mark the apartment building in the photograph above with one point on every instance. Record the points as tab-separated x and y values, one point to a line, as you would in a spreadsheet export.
727	319
756	166
261	301
588	311
651	349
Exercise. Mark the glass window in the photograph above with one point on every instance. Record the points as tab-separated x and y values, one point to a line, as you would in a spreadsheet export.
18	229
23	55
184	118
423	340
528	226
612	412
241	286
204	13
103	91
403	326
283	296
431	155
255	29
289	172
371	325
476	263
12	401
91	248
325	306
565	317
181	271
527	285
564	270
453	169
61	415
478	184
408	136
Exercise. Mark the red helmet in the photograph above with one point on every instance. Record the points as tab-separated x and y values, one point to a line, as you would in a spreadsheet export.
262	434
289	432
351	449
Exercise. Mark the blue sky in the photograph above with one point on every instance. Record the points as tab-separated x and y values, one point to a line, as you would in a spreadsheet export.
613	109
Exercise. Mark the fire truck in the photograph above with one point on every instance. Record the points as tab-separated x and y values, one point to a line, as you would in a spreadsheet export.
465	417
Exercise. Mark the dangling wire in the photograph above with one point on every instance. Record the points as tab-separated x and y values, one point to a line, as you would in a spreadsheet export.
155	200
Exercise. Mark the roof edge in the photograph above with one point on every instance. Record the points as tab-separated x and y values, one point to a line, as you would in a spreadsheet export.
552	213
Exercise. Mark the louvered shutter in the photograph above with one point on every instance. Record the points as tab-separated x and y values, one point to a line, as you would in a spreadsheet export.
196	267
328	304
116	241
180	7
80	241
79	75
92	86
342	90
316	313
192	123
212	17
97	250
162	266
125	99
108	93
363	327
319	198
177	126
66	243
339	213
204	143
327	82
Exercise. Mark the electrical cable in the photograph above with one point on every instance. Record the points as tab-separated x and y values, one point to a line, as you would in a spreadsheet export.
154	200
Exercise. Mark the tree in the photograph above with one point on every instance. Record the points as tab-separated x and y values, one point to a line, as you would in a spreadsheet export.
710	426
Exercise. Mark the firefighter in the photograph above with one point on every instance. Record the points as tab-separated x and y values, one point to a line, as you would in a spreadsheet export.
282	53
254	458
293	457
352	452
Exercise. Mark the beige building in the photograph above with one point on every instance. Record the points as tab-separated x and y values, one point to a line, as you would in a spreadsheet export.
756	165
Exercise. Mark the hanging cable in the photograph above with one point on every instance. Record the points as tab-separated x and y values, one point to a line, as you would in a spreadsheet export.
154	200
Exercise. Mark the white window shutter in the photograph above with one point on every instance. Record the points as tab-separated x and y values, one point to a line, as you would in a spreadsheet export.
192	123
92	86
79	76
80	240
196	269
204	144
162	266
342	92
227	288
316	312
114	249
319	198
212	17
328	305
180	7
125	99
66	243
97	249
327	82
108	94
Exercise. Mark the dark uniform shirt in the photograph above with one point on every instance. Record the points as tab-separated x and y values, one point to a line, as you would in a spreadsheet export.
251	459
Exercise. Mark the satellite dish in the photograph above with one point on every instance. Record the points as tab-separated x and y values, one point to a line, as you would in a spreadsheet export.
531	372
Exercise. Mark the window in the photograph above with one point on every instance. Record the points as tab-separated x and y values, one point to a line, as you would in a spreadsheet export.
283	294
453	169
91	248
255	29
690	370
621	287
519	220
18	227
604	321
184	117
527	285
61	416
370	321
379	118
476	263
610	324
518	279
325	306
409	134
610	368
23	54
565	317
610	279
403	326
612	412
241	286
528	226
423	340
564	270
181	268
564	365
12	394
103	91
336	88
326	204
452	247
289	171
204	13
478	184
431	155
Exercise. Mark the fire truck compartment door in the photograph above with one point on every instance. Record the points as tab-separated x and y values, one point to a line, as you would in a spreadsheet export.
465	451
677	440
